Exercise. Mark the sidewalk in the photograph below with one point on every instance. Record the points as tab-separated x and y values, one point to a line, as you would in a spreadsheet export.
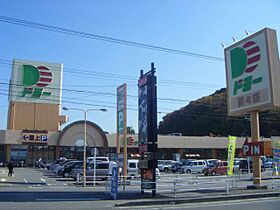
17	190
201	196
128	198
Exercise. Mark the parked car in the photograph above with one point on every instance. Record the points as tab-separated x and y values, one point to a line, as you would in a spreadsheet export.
195	166
211	162
61	165
133	168
66	171
219	168
165	165
175	167
243	165
268	163
57	161
102	171
98	158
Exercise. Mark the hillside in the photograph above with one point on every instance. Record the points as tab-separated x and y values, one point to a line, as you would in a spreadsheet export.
208	115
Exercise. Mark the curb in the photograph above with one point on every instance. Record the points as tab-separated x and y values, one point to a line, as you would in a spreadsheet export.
198	200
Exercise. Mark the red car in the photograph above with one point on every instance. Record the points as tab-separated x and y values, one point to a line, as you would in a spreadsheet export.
220	168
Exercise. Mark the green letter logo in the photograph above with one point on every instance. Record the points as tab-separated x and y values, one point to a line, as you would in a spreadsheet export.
35	79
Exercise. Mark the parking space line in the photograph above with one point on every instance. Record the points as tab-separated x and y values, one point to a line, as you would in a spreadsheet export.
3	180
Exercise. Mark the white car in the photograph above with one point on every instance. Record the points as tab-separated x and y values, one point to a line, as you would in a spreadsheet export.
196	166
165	165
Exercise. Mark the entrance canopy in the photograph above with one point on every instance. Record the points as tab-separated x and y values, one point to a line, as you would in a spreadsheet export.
75	131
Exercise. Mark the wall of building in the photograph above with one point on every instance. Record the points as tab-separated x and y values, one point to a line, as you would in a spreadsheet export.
23	115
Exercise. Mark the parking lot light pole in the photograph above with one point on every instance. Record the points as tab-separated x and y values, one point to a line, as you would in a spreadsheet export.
85	111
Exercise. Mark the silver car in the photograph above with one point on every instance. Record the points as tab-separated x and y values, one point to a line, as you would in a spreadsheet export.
102	171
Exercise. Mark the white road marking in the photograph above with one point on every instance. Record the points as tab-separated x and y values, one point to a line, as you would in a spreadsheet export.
43	180
68	199
3	180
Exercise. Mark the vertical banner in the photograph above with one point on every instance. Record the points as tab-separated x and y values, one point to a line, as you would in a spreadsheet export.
231	153
114	182
143	110
122	123
147	125
276	155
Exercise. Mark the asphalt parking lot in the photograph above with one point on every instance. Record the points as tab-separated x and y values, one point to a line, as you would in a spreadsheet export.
30	177
35	178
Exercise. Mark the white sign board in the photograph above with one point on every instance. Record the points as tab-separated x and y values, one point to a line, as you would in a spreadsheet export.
252	69
36	82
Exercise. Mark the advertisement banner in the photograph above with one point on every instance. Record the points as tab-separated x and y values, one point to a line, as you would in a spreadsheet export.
147	128
143	114
231	153
251	70
276	155
147	179
34	81
121	103
114	183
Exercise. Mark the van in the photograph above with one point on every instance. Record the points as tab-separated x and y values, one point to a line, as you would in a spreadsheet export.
102	171
133	168
196	166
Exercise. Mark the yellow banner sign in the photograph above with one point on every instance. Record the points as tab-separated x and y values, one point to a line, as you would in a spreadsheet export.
231	153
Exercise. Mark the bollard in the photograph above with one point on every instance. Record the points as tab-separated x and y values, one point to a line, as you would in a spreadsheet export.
174	188
78	178
227	186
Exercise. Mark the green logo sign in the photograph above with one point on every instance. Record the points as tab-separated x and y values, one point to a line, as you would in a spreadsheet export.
244	61
35	79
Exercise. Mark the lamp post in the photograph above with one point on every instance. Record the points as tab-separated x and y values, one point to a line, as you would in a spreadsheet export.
85	111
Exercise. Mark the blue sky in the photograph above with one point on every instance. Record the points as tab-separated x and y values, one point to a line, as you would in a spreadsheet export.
192	26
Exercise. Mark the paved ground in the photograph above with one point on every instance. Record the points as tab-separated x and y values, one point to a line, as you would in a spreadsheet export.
45	188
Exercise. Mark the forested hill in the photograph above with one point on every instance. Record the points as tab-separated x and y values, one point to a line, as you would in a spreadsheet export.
208	116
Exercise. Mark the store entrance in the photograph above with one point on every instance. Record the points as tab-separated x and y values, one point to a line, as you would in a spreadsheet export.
36	151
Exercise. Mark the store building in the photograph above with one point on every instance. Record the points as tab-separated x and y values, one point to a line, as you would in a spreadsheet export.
34	125
34	119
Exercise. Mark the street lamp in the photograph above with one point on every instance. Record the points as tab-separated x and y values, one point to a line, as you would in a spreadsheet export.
85	111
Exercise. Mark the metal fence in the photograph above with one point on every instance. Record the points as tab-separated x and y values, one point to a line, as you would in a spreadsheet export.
182	183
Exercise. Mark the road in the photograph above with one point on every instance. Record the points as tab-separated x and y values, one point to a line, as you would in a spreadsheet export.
39	185
252	204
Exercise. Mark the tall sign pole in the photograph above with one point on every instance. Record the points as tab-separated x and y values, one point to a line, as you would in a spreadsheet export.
252	70
147	125
122	123
255	133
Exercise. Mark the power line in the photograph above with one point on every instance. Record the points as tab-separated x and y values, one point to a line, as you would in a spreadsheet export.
86	74
46	27
194	114
88	92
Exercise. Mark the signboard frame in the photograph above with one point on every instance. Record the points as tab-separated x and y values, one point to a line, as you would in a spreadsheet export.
269	61
122	123
41	84
147	128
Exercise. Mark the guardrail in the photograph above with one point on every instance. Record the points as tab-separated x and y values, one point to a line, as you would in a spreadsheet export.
181	183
